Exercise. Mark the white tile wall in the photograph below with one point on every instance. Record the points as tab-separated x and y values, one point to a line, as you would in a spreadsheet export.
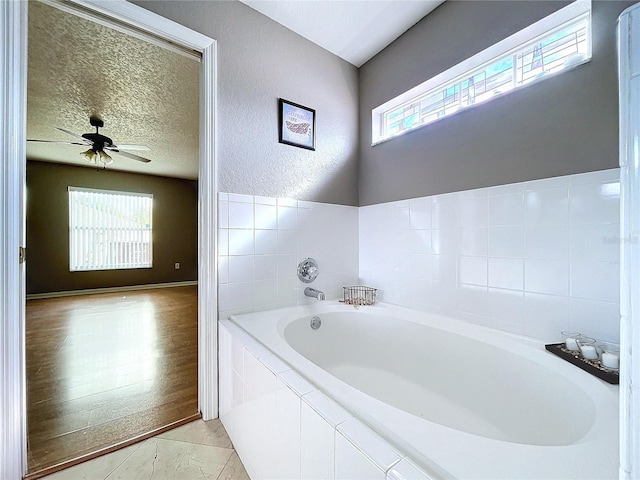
262	240
351	463
372	447
533	258
286	440
317	445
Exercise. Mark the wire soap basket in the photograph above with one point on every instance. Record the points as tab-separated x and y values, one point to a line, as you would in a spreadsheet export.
359	295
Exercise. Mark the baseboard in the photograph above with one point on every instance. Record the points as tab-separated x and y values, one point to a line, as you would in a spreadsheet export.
91	291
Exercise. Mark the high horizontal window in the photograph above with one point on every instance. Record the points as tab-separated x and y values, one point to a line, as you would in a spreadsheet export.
109	230
559	41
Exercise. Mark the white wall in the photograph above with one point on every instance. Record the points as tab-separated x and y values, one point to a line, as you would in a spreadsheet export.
262	240
534	258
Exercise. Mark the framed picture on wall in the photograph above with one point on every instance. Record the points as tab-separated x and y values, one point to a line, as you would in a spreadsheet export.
297	125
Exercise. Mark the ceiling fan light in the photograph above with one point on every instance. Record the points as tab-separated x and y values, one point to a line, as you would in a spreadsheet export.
89	156
104	158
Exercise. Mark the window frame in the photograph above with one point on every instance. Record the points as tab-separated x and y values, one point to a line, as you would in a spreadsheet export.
72	245
562	19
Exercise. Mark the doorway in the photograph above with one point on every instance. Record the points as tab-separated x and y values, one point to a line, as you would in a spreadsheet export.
13	16
100	367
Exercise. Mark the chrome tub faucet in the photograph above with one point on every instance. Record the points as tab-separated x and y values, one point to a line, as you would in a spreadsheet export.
312	292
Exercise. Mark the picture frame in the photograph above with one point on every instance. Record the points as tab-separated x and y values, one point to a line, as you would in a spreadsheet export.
297	125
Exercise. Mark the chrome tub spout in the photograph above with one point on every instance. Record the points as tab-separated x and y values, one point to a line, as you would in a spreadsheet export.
312	292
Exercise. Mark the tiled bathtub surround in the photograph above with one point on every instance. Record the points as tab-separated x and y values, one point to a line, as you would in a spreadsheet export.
262	240
534	258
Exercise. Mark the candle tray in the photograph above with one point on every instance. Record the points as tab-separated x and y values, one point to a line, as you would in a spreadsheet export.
591	366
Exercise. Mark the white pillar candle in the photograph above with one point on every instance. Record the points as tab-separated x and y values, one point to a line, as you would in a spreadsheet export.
589	352
610	360
571	344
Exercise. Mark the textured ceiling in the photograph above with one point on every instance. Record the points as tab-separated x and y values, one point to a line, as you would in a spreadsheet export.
145	94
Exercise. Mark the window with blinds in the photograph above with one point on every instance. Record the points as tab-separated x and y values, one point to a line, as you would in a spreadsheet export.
557	42
109	230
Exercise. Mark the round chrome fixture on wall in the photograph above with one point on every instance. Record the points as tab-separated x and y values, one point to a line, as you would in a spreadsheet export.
308	270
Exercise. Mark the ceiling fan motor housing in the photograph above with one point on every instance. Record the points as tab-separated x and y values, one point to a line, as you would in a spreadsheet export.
99	141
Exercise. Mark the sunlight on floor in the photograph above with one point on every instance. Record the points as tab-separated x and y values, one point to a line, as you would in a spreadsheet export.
111	356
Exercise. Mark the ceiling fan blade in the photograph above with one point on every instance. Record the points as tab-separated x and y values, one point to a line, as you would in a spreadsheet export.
86	141
131	147
56	141
129	155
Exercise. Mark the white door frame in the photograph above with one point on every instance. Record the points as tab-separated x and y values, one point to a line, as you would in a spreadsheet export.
13	97
13	86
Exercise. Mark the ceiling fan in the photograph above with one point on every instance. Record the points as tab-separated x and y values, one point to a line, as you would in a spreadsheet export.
97	144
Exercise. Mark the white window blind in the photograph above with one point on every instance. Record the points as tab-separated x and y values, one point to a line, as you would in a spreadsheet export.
109	230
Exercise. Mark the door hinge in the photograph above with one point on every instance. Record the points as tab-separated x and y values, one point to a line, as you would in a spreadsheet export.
23	254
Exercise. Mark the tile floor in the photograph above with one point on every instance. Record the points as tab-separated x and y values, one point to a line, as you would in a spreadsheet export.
198	450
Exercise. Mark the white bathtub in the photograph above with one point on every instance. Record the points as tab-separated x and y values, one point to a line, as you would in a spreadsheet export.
460	400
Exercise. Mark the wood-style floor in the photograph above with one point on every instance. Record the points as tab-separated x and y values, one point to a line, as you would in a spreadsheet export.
105	368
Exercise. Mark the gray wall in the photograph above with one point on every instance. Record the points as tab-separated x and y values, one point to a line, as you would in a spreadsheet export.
175	228
562	125
258	62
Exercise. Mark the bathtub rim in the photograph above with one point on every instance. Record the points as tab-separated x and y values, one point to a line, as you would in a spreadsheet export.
604	396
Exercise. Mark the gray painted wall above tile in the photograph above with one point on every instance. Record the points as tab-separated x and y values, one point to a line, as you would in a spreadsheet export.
563	125
260	61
